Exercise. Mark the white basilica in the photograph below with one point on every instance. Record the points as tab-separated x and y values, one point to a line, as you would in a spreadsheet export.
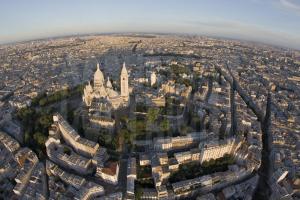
94	97
101	99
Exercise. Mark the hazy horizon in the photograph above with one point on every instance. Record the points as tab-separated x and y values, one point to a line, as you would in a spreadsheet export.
275	22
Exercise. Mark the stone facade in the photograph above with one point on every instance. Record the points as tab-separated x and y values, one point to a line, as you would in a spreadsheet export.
100	90
215	150
101	98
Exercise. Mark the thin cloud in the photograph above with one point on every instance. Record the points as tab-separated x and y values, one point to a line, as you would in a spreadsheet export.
290	4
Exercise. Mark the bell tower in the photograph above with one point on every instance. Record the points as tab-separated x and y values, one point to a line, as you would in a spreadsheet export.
124	82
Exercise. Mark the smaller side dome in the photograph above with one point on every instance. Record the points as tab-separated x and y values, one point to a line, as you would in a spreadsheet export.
108	83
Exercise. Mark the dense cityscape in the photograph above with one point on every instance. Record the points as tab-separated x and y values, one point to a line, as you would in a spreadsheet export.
149	116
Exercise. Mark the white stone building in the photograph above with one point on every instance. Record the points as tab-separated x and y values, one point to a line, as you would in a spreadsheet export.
216	149
109	173
153	79
100	90
80	145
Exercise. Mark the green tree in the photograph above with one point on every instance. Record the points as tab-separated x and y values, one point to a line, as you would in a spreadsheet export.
27	137
125	134
164	125
45	121
40	139
139	193
114	143
43	101
152	115
26	115
67	150
132	126
105	139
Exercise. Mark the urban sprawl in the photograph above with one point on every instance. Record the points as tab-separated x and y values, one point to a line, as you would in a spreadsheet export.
146	116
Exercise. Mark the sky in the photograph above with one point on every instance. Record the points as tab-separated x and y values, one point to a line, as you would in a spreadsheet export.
268	21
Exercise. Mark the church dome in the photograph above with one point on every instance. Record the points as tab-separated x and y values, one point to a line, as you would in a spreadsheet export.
98	76
89	87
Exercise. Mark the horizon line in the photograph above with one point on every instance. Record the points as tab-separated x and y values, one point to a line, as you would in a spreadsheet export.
58	36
